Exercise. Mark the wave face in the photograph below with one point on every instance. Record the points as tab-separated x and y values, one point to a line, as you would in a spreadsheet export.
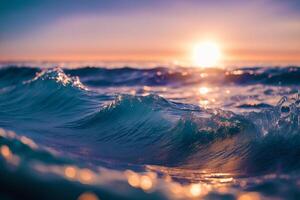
93	129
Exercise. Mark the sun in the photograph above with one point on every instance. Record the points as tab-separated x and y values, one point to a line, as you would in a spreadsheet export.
206	54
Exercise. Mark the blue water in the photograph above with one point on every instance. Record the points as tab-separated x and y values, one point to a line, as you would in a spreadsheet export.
159	133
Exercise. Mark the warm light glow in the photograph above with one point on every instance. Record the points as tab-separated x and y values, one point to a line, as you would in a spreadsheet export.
250	196
204	90
133	179
5	151
195	190
29	142
146	183
86	176
204	102
9	156
70	172
176	188
206	54
88	196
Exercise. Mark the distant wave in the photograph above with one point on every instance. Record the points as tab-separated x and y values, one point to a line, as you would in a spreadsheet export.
102	77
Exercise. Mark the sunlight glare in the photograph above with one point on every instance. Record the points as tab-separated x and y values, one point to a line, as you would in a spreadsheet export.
204	90
206	54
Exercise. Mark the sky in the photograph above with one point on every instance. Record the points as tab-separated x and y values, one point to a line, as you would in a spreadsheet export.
247	32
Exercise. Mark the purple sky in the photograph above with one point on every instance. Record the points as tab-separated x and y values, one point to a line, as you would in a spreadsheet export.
257	31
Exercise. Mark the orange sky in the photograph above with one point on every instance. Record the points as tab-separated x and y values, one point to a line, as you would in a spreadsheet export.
254	32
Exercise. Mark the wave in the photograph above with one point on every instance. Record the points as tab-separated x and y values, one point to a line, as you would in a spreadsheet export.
30	171
187	76
162	76
53	108
50	92
10	76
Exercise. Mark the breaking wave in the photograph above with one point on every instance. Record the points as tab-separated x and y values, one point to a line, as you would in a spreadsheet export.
89	128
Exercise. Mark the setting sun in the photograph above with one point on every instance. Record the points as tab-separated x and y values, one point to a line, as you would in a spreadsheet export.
165	99
206	54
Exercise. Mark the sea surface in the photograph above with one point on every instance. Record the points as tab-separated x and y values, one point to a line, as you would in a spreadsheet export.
96	133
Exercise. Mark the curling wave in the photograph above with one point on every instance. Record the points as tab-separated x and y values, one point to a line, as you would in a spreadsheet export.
91	127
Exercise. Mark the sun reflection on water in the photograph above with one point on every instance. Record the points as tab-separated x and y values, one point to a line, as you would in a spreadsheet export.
195	190
70	172
85	176
146	182
133	178
5	151
204	90
249	196
197	183
88	196
9	156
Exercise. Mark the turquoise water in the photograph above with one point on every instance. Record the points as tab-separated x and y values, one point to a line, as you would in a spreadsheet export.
160	133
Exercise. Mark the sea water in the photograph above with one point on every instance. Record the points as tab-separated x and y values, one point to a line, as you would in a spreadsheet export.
149	133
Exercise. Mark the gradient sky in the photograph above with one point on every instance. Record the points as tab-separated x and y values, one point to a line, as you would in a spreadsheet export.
256	31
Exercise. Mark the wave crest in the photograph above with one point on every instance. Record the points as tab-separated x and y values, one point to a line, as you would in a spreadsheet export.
58	75
54	105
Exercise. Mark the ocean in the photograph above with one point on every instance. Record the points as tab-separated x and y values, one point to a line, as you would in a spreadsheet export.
97	133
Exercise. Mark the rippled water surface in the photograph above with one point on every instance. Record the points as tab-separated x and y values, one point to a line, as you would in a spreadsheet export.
161	133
